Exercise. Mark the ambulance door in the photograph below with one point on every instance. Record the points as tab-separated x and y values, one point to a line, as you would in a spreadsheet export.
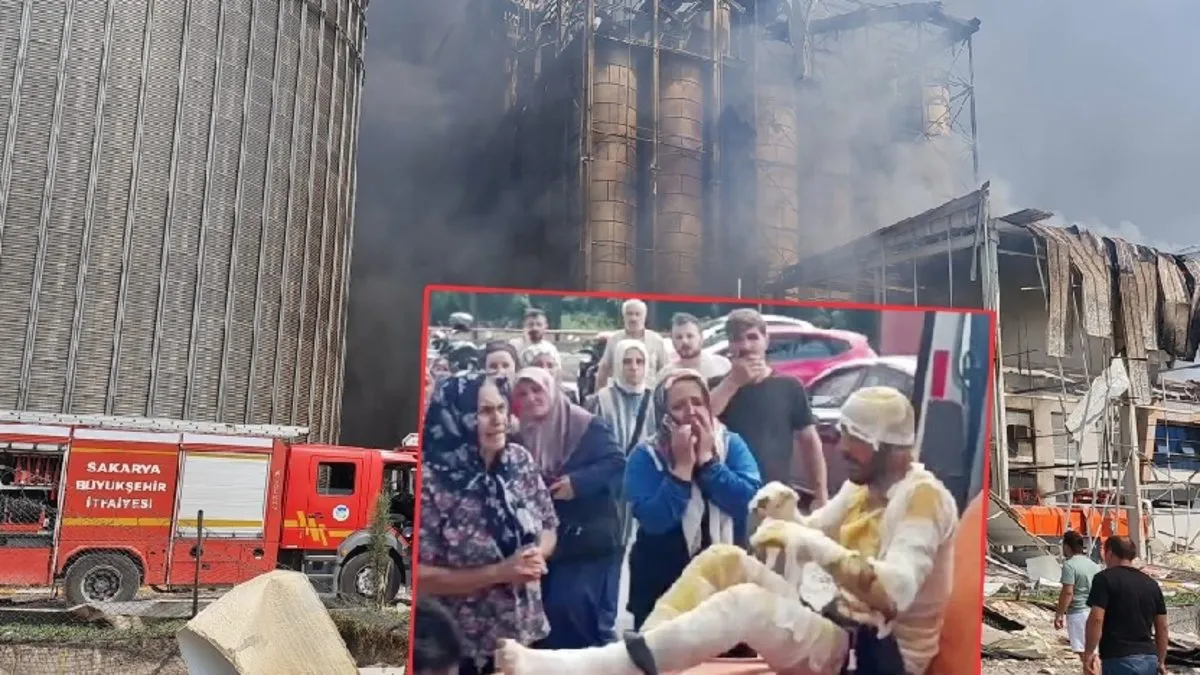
950	398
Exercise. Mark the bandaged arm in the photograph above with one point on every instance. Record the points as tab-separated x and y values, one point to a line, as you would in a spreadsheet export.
889	585
829	517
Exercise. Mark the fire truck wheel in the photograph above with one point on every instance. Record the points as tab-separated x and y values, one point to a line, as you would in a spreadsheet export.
101	578
358	579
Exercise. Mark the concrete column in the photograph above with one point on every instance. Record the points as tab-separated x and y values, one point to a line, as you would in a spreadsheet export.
1130	454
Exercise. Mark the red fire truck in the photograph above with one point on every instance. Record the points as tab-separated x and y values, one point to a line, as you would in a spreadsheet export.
106	505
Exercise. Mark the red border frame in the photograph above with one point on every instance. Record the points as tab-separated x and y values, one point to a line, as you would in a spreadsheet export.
651	297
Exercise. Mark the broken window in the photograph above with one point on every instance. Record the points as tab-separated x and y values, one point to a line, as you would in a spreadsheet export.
1019	434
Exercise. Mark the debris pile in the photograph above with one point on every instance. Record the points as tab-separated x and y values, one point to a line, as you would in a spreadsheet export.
1020	594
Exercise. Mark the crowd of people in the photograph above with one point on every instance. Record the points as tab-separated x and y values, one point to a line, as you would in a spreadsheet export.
691	467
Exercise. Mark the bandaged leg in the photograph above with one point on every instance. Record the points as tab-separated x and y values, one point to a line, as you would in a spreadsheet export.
788	635
718	567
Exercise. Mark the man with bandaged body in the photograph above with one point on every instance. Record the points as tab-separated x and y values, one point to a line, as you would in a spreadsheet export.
886	538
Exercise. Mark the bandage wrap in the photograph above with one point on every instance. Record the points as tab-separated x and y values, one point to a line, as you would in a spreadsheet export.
879	415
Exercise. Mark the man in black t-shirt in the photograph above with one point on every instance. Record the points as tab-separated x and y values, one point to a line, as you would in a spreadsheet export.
1128	619
771	412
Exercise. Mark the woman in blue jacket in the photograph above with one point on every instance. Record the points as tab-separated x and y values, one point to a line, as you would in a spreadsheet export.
689	487
582	464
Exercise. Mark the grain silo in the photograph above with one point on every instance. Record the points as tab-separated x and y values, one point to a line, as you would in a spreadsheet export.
679	182
777	218
612	169
176	190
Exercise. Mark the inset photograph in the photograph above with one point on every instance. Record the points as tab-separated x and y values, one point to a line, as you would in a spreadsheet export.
615	484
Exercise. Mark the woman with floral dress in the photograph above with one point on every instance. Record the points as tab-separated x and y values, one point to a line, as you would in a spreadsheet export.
487	521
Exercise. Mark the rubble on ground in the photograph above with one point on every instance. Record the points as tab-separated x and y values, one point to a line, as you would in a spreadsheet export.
1018	633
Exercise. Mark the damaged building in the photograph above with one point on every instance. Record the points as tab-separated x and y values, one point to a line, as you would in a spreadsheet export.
1091	329
698	146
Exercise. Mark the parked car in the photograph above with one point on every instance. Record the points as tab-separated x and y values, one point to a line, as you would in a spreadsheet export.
805	352
829	390
715	338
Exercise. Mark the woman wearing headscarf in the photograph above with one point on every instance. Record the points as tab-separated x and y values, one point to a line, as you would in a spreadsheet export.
625	404
487	521
688	488
580	460
544	355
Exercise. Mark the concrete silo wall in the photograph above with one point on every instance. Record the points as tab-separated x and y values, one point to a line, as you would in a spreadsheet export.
612	189
679	235
176	189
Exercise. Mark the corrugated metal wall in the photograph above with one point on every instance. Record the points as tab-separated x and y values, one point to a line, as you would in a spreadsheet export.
176	190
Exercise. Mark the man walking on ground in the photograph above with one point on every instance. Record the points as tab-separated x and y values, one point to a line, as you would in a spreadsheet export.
634	314
771	412
535	325
687	340
1127	625
1077	573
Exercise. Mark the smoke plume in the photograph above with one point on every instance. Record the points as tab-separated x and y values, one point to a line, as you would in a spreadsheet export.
1067	121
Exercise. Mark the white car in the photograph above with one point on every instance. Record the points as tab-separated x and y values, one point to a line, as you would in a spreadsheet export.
829	390
714	337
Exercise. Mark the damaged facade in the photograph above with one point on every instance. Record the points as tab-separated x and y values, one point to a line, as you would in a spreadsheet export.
1087	327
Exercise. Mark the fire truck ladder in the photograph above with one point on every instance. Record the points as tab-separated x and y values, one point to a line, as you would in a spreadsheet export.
157	424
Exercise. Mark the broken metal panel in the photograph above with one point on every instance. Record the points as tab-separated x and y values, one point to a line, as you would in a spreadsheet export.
1176	305
1146	268
1058	264
1073	250
1192	265
1089	256
1134	317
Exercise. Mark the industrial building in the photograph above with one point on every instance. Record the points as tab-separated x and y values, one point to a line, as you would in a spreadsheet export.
687	146
177	186
1090	330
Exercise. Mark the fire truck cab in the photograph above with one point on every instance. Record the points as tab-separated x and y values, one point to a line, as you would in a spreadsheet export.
107	505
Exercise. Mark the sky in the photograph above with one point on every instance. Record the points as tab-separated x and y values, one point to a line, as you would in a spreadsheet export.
1089	110
1092	110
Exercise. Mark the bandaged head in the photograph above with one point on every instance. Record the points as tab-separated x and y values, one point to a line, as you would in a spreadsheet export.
879	416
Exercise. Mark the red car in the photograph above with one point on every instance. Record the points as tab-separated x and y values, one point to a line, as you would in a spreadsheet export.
805	353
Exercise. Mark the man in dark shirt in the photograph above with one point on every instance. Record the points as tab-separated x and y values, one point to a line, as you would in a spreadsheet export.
771	412
1128	619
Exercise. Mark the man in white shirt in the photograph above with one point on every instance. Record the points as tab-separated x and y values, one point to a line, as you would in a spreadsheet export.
687	340
535	325
634	313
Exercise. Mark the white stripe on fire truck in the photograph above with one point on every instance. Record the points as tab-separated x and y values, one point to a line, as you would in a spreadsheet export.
130	436
238	441
35	430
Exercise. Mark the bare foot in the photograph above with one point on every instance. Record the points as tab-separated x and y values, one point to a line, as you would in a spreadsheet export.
509	659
